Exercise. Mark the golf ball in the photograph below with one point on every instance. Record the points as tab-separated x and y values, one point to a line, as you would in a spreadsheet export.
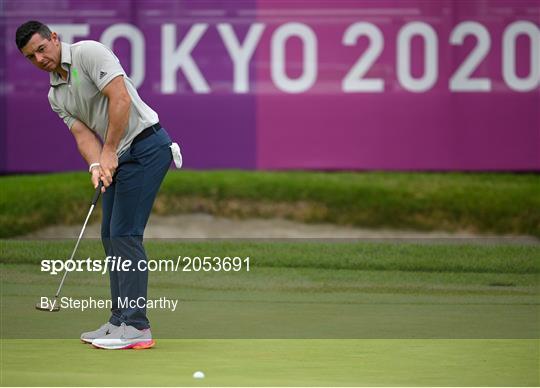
198	375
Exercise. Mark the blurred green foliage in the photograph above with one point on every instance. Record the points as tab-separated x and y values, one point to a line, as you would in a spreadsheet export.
482	203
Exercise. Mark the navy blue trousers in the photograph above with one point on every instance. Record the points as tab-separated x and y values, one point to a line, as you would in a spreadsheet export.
126	208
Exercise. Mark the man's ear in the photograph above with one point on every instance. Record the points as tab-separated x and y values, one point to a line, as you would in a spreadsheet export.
54	38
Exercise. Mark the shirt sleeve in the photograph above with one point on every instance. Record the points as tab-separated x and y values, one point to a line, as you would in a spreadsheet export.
68	119
100	63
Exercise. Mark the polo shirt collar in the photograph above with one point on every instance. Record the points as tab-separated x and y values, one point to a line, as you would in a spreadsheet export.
65	63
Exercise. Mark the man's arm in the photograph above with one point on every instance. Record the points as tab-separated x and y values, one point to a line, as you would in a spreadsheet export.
119	106
89	147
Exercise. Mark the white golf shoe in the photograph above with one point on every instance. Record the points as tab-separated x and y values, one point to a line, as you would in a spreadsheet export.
125	337
105	329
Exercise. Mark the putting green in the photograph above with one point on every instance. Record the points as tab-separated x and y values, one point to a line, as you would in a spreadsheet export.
305	315
275	362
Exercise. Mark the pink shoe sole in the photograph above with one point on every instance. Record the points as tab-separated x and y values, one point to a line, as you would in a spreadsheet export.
136	346
143	345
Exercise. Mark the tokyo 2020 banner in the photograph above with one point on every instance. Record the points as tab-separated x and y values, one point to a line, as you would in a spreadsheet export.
365	85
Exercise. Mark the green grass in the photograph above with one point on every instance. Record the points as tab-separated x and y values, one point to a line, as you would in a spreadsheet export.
289	284
325	255
275	363
495	203
283	297
306	314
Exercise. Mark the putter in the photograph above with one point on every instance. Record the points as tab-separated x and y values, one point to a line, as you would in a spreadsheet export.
55	306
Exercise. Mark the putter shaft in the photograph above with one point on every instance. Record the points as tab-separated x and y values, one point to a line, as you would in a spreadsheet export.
94	201
75	249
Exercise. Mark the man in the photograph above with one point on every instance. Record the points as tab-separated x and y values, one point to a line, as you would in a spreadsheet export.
92	94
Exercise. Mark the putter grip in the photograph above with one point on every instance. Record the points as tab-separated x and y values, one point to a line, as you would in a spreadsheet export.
97	193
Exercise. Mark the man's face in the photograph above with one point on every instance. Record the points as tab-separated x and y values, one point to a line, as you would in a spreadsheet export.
42	52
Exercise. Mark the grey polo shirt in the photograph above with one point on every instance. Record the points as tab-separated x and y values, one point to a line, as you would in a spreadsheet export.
91	66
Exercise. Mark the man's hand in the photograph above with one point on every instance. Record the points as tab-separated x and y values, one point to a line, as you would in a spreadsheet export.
96	174
108	164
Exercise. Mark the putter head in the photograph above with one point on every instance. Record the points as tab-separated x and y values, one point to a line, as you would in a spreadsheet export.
47	307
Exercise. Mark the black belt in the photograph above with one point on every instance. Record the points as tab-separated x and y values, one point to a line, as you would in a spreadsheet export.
146	132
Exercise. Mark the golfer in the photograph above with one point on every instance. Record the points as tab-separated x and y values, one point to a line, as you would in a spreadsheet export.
121	139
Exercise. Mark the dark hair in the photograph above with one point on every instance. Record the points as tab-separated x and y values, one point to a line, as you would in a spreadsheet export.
28	29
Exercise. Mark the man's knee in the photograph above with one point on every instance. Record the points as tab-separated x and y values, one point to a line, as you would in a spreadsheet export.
129	247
